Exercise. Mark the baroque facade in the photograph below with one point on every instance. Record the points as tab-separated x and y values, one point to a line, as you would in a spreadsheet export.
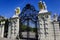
9	28
49	28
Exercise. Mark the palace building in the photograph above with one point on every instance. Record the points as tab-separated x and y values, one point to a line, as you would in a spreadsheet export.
49	27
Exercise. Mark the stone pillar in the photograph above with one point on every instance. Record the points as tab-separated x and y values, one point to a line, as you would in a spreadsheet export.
13	28
14	25
2	28
41	29
45	26
56	30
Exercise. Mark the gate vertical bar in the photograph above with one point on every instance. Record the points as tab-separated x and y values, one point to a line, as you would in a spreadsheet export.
27	28
20	34
36	30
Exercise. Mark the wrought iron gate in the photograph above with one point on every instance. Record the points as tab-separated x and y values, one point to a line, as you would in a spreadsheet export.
27	17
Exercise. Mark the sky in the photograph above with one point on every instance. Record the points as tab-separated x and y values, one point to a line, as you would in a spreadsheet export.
7	7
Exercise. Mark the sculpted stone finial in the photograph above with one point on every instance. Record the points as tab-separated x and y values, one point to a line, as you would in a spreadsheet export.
42	5
17	11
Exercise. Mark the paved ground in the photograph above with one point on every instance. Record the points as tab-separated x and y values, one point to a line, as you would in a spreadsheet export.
4	39
31	36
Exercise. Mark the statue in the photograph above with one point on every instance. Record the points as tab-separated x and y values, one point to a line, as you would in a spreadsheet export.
42	5
17	11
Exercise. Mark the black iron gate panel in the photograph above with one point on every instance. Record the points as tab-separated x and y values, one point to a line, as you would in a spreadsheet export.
28	16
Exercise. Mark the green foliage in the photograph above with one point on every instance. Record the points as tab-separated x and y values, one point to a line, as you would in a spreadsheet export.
24	28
